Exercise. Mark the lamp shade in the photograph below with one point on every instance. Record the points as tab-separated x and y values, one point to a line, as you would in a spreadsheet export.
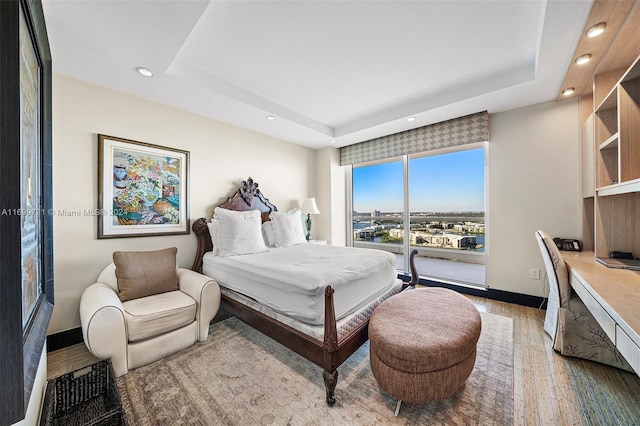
309	206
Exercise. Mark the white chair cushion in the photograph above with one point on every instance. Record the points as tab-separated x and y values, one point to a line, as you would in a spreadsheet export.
158	314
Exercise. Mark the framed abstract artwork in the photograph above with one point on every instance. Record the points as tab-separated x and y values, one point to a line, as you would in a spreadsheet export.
26	227
142	189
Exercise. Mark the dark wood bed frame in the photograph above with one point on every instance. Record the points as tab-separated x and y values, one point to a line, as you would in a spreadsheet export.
328	354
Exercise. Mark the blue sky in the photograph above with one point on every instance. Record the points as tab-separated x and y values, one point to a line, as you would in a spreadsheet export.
446	182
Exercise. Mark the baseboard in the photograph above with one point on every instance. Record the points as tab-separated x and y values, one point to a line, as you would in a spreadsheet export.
493	294
74	336
64	339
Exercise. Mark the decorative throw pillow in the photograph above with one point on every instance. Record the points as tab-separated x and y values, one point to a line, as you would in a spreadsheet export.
288	228
237	233
268	234
145	273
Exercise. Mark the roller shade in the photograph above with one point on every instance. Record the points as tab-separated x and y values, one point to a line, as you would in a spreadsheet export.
458	131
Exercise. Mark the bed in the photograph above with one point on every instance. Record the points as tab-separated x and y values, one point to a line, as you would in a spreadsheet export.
289	295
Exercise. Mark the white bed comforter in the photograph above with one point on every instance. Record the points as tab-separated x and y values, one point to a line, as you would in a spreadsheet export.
292	280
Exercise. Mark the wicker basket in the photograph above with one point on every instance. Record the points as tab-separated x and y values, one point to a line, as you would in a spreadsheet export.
83	397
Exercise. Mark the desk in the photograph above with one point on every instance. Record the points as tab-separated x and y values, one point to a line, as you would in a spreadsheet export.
613	297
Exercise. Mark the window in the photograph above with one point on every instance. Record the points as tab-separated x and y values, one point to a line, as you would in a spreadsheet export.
378	212
26	275
434	203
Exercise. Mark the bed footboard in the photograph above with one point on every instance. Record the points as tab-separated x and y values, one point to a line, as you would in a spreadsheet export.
329	354
330	346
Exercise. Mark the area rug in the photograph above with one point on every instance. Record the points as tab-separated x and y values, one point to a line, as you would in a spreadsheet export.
241	377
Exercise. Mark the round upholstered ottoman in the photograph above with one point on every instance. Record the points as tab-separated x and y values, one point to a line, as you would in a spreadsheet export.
423	344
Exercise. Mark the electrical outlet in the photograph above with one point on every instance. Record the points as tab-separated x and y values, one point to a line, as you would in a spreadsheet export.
535	274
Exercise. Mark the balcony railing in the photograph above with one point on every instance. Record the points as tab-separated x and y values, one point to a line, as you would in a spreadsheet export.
468	256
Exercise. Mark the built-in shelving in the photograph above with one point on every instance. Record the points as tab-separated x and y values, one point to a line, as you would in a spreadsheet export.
610	101
616	144
617	134
619	188
611	143
588	160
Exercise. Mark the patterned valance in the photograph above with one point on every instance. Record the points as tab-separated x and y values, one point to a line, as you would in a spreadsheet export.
458	131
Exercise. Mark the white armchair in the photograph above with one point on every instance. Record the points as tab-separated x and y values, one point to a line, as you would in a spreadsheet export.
136	332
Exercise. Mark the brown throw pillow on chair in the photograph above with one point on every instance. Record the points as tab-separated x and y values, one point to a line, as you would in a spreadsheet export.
145	273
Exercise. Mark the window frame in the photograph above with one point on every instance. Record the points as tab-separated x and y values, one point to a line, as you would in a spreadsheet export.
406	159
22	345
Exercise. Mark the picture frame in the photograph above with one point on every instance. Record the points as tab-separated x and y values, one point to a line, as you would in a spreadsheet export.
143	189
26	227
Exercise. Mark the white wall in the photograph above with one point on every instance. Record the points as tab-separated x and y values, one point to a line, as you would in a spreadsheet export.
221	157
331	198
533	184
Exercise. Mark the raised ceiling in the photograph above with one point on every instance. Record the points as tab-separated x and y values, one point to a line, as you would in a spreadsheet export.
342	70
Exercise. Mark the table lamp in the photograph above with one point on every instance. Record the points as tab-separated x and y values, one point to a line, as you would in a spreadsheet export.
309	207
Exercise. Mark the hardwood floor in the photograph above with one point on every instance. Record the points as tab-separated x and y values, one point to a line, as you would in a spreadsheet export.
68	359
549	389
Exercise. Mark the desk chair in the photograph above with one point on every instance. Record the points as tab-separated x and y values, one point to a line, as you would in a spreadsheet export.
572	327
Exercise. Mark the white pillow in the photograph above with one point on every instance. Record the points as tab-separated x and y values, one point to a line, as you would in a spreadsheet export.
213	229
288	228
268	234
237	233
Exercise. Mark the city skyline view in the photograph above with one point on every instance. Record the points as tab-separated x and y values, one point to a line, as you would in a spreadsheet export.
452	182
453	213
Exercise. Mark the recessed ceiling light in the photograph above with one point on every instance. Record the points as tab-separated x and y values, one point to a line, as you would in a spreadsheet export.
583	59
270	117
568	91
144	71
596	30
411	119
332	141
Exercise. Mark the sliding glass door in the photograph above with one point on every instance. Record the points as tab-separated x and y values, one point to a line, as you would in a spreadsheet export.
446	201
433	203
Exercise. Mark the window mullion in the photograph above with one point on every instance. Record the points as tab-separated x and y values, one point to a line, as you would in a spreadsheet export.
349	204
406	214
